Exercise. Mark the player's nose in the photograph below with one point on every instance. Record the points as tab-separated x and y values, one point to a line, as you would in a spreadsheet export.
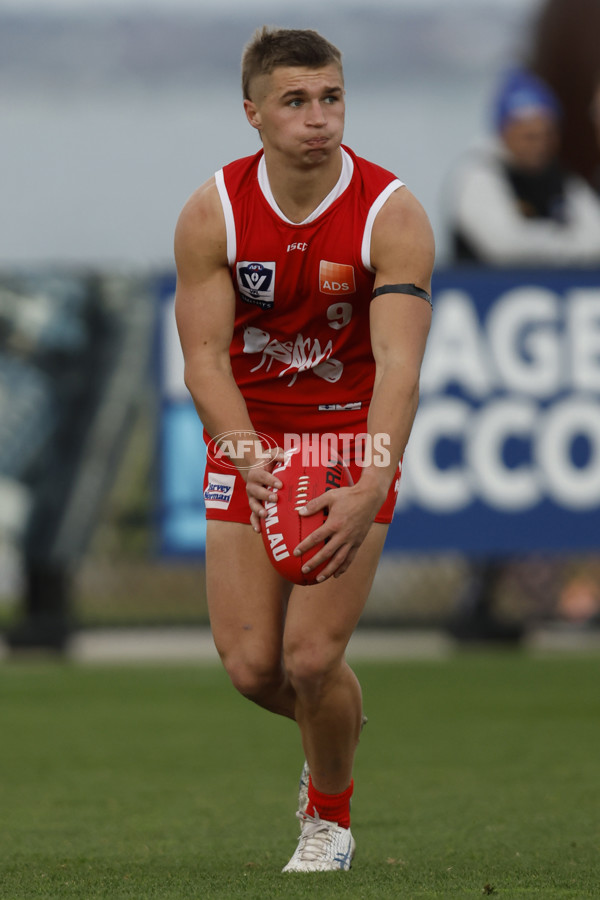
316	113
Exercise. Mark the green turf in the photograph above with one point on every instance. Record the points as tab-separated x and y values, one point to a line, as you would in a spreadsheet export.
477	775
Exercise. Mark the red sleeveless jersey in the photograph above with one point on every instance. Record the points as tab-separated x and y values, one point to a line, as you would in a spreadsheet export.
301	351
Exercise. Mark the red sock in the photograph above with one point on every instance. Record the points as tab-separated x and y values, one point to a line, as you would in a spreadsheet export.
332	807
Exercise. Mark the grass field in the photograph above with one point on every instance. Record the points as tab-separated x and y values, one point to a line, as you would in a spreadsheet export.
478	775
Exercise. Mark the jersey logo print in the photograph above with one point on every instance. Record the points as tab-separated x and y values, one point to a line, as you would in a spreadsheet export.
219	490
336	278
299	355
256	283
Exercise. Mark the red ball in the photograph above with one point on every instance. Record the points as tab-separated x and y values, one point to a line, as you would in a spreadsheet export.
284	528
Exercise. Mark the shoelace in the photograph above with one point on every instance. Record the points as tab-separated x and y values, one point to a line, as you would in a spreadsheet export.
315	834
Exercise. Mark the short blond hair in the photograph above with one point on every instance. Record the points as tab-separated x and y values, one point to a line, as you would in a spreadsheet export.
270	48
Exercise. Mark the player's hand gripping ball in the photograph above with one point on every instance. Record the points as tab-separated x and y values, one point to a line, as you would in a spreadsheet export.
284	528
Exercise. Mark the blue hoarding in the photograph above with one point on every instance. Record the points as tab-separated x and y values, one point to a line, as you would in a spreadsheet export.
181	448
505	451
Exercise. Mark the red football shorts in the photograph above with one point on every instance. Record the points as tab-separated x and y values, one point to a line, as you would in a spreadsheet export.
226	499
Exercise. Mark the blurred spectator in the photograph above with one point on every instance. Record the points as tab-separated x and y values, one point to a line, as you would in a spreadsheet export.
510	201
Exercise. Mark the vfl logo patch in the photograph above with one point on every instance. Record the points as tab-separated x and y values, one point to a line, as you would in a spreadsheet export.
219	490
336	278
256	283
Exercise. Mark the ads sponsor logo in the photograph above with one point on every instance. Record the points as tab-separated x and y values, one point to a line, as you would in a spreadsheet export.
256	283
219	490
509	413
336	278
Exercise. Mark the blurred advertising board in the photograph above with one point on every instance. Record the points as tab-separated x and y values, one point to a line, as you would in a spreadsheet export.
504	456
181	448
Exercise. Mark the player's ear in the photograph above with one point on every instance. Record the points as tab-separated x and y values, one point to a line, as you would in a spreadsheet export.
252	114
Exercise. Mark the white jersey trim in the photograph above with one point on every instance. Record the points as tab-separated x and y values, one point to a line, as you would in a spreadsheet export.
342	183
229	219
365	252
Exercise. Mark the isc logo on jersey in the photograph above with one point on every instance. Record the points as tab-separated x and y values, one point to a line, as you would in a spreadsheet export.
256	283
336	278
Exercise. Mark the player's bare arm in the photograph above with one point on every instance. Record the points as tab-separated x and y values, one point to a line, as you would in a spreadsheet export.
402	253
204	309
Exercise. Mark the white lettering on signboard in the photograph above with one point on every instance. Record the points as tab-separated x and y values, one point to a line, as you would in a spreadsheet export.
457	351
508	489
571	486
523	334
530	373
583	338
439	490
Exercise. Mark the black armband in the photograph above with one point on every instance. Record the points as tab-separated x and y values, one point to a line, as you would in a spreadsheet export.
402	289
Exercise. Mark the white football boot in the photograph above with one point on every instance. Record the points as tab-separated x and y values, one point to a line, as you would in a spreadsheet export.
322	847
303	789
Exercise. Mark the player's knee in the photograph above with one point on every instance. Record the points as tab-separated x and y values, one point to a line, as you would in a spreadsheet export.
253	678
310	665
